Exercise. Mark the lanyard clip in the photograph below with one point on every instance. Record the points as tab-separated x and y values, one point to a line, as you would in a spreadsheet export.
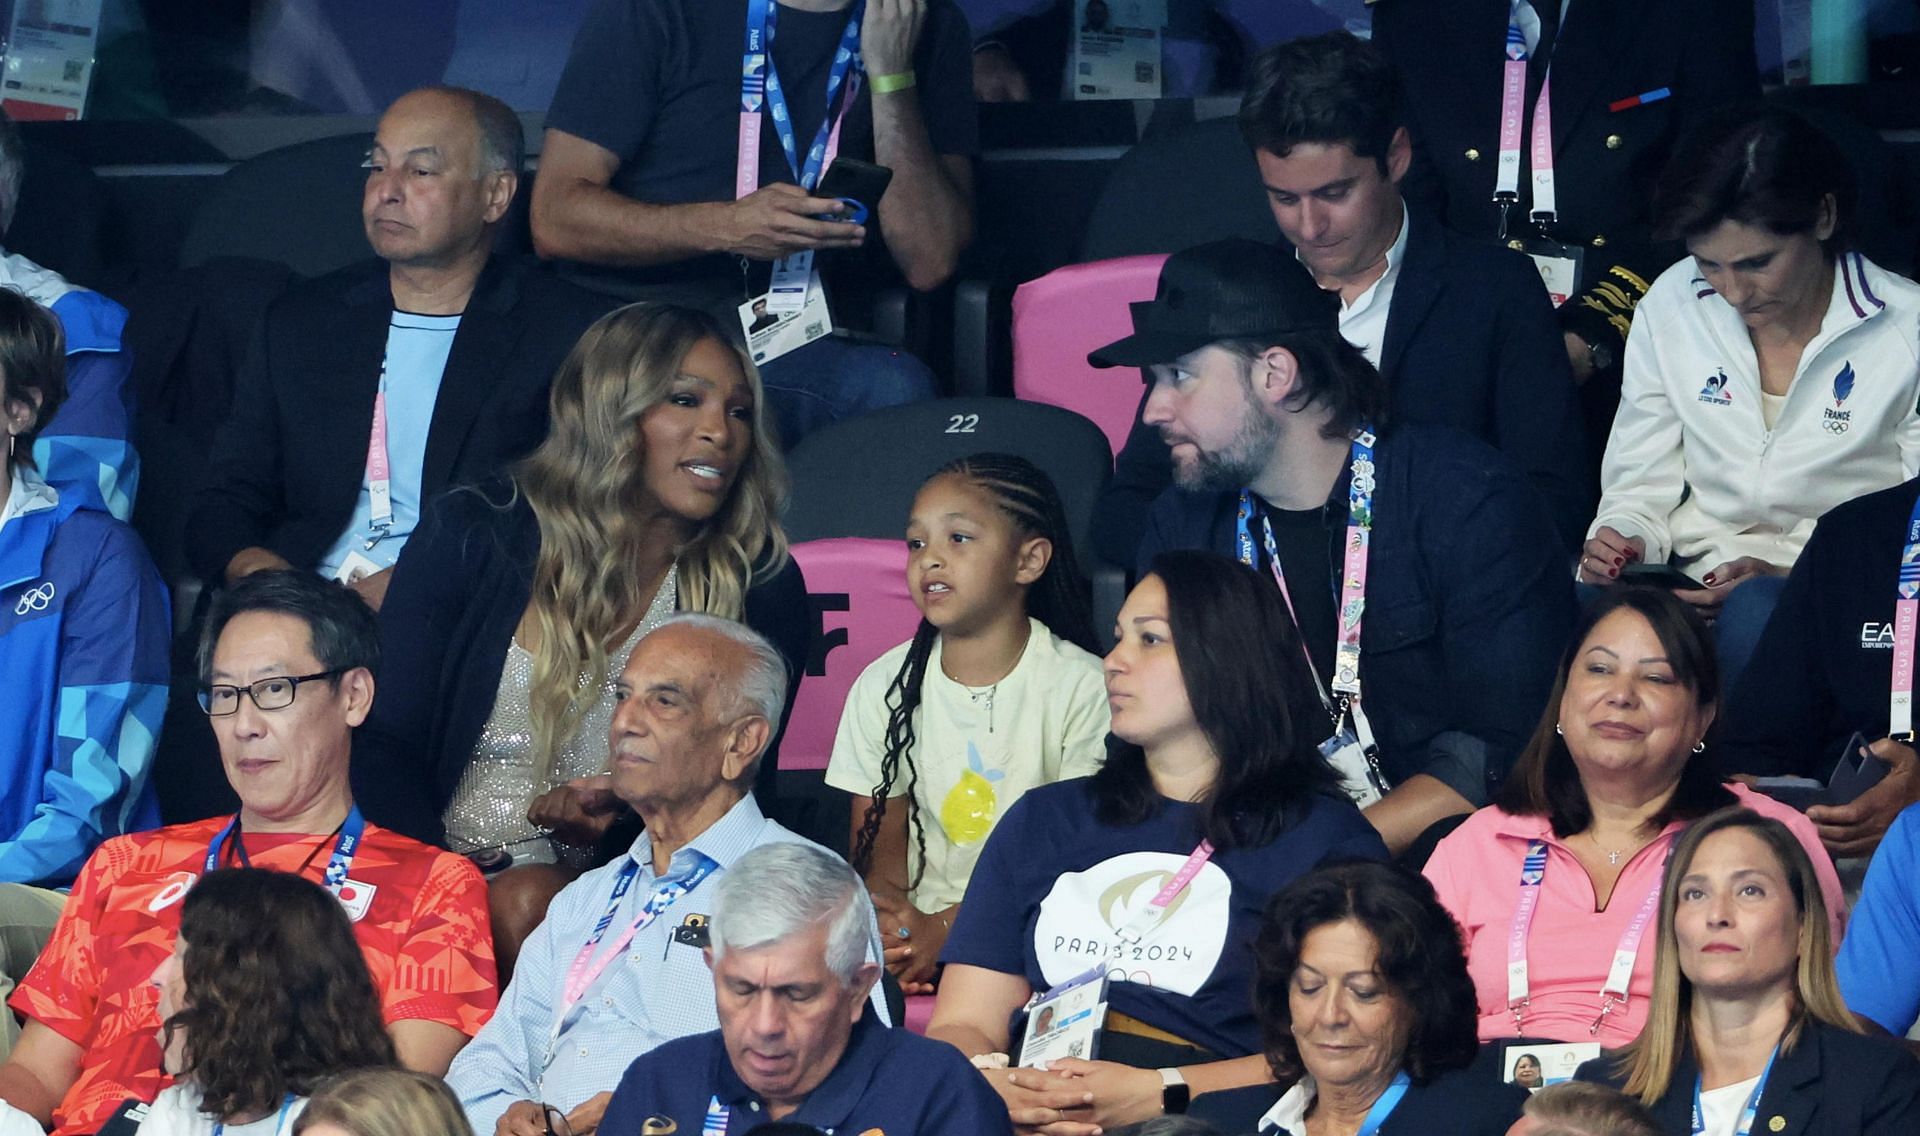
1505	203
1607	1002
375	535
1519	1011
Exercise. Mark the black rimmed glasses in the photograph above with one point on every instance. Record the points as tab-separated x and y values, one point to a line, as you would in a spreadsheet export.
274	693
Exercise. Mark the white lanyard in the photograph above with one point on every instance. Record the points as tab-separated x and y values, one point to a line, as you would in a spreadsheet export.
1533	872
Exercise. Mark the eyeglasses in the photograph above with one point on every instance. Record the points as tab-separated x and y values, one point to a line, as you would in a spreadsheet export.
274	693
556	1121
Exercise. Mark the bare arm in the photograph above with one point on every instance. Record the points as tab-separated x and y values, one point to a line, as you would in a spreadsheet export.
926	214
974	1005
1411	808
887	867
426	1047
42	1068
577	215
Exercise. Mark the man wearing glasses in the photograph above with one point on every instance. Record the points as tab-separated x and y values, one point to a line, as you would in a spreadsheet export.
286	673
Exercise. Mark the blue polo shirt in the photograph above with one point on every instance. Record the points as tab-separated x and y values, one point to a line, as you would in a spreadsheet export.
890	1081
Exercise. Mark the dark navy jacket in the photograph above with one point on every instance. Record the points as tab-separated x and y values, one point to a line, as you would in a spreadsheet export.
1470	343
1456	1103
1832	1083
890	1081
1469	601
458	592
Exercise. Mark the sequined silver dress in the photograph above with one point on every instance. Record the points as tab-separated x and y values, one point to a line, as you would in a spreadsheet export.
489	806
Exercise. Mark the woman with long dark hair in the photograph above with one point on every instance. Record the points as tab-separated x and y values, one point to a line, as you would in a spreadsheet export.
265	996
1158	868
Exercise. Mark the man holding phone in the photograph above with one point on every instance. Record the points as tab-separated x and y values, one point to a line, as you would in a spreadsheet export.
685	155
1825	670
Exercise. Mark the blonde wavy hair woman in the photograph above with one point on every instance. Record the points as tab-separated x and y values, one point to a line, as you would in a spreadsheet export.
1747	1031
383	1102
658	489
599	517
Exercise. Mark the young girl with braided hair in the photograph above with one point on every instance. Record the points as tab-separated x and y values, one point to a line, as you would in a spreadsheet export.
998	691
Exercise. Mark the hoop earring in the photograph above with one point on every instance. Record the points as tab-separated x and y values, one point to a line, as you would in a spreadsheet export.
1700	746
1558	729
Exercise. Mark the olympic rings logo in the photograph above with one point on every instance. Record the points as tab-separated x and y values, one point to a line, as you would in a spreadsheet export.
35	599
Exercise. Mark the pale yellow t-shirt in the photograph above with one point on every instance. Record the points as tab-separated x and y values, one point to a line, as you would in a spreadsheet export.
976	754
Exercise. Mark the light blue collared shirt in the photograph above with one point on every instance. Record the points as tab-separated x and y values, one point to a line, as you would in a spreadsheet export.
662	990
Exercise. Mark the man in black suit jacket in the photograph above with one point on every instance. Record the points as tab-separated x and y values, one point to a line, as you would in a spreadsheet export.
1629	78
1463	333
437	337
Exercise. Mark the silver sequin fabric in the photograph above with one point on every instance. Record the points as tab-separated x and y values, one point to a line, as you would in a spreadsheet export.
489	806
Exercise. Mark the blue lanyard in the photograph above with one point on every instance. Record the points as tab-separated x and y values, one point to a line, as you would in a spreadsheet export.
279	1125
1382	1108
338	864
586	970
758	74
1745	1124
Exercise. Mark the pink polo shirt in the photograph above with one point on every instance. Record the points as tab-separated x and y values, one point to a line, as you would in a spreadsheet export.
1476	871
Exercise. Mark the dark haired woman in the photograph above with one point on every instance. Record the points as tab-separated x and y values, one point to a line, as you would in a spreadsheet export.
265	995
1158	867
1748	1032
1367	1009
83	639
998	691
1562	875
1772	374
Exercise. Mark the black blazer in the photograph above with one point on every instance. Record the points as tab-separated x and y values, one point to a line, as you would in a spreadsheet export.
1833	1083
1448	54
288	463
1456	1103
458	592
1471	343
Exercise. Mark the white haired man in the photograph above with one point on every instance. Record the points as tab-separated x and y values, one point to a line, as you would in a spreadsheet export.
796	1041
617	968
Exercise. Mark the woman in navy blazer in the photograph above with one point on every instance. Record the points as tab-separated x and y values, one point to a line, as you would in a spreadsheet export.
1368	1012
1747	1032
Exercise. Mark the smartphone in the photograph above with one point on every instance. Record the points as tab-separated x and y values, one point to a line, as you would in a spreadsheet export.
859	184
1659	576
1854	773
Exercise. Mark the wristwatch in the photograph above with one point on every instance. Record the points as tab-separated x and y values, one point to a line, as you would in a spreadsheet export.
1174	1093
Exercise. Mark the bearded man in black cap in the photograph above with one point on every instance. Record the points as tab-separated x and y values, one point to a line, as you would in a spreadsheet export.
1420	566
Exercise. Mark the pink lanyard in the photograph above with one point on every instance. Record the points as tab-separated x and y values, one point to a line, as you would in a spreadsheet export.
379	468
1906	621
1533	872
1156	909
1513	94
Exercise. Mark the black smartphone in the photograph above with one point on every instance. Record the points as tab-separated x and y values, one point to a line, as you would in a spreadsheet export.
858	183
1854	773
1658	576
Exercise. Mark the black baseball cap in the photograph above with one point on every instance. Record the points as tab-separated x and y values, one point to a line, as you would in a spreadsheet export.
1231	289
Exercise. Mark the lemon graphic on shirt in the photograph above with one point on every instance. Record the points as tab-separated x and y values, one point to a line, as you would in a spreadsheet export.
967	813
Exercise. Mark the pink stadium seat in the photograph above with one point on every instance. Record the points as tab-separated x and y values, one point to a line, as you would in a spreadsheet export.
1068	312
859	587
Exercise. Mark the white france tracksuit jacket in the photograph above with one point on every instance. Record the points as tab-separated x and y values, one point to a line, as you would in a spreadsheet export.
1691	467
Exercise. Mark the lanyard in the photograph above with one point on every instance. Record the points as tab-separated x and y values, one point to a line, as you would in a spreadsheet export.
1513	95
717	1117
585	969
379	468
1149	917
1906	618
337	865
760	84
1382	1108
279	1125
1353	593
1613	992
1747	1113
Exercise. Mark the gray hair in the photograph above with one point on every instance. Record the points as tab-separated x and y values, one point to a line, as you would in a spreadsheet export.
503	143
780	890
762	689
13	170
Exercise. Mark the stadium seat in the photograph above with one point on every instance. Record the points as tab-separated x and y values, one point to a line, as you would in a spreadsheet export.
858	590
1063	315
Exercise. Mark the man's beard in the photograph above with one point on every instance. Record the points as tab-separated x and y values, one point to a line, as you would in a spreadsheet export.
1236	465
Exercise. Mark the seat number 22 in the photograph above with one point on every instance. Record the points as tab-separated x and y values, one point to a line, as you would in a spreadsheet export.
962	423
